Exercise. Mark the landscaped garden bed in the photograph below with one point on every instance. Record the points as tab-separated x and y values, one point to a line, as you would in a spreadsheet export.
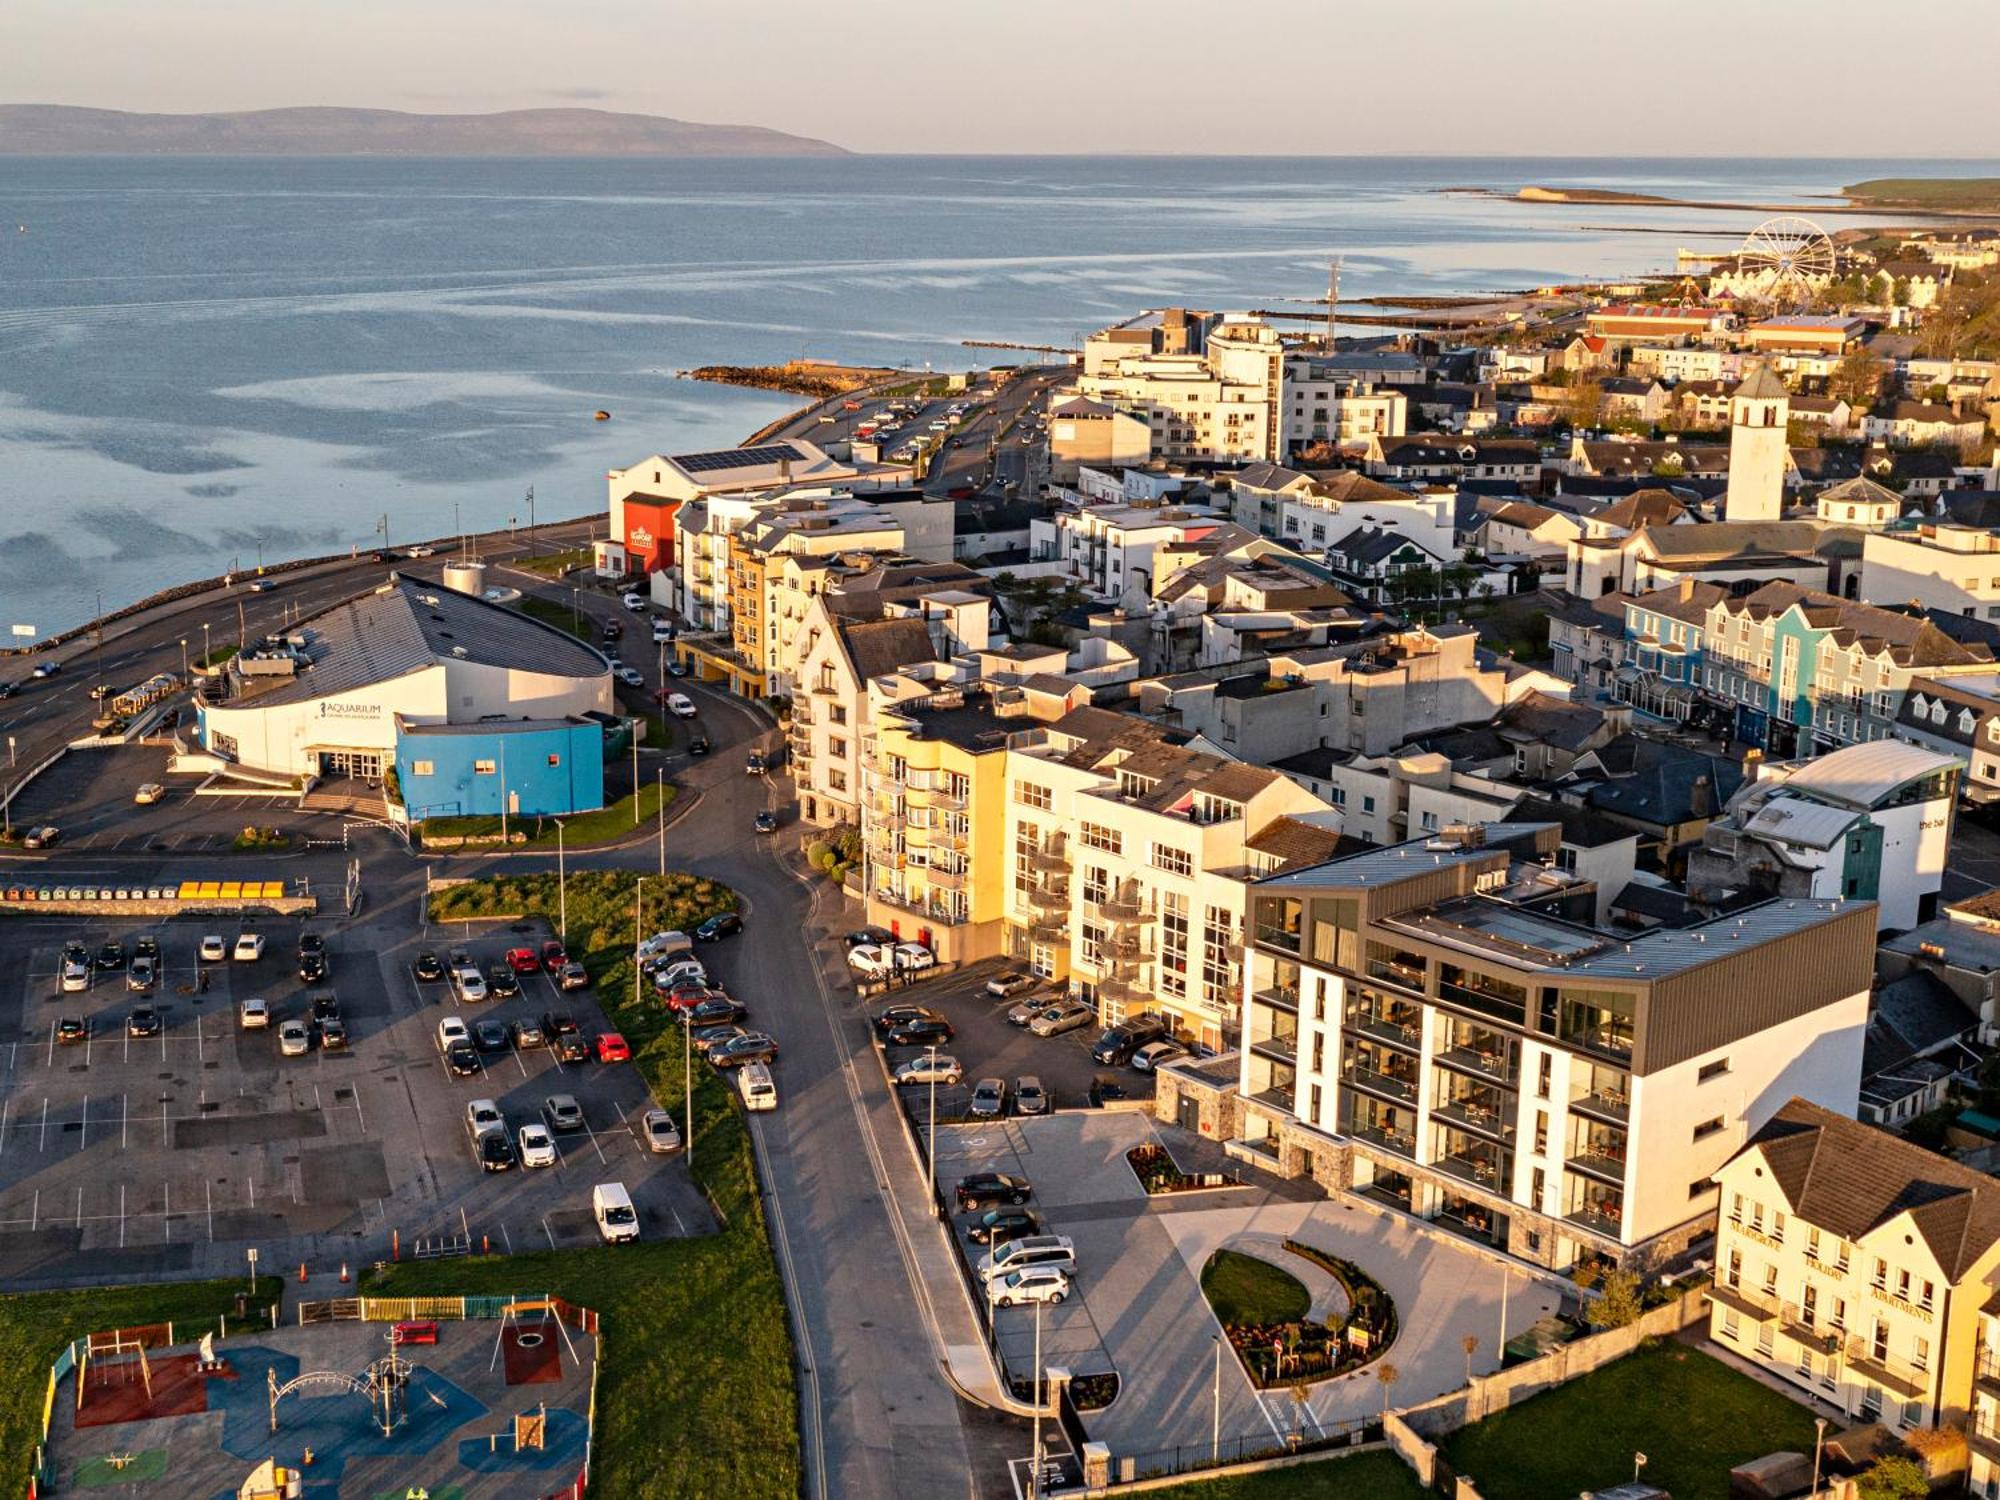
1157	1173
1263	1308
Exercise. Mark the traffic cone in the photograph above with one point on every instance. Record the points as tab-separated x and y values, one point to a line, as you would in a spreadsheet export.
343	1270
302	1273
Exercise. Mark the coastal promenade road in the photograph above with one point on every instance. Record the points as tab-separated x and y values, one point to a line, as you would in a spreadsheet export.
49	713
987	449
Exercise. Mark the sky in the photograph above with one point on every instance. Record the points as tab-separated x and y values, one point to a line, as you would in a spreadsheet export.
1277	77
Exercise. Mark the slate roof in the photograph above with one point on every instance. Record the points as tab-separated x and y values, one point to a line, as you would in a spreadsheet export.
1541	717
1647	507
1850	1179
878	647
1762	384
408	625
1653	782
1374	544
1912	1016
1581	826
1293	843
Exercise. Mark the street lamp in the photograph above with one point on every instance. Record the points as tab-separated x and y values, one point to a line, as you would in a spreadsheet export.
660	775
930	1145
1215	1405
562	888
1819	1437
1035	1475
184	659
206	654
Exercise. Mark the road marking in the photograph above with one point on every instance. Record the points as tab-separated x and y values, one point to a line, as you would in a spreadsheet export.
550	1233
167	1209
121	1216
593	1141
211	1209
83	1128
52	1045
45	1124
5	1107
124	1121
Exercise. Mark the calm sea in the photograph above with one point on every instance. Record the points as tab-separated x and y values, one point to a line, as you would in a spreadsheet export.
207	361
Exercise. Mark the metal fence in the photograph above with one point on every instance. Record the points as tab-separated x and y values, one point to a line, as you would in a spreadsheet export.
1192	1458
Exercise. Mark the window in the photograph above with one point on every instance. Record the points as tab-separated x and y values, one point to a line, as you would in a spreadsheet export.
836	713
1368	804
1174	946
1708	1128
1315	1115
1736	1208
1219	974
1096	836
1812	1243
422	768
1902	1286
1732	1325
1173	861
1538	1189
1028	794
1712	1070
1920	1354
1881	1276
1929	1294
1543	1077
1541	1132
1770	1281
836	780
1699	1186
484	768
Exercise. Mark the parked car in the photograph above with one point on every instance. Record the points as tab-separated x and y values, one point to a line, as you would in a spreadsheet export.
502	983
1036	1284
929	1069
48	669
253	1015
572	976
721	925
75	972
1010	982
461	1060
495	1152
705	1038
765	822
896	1015
1067	1015
427	968
142	976
613	1048
482	1115
873	937
490	1035
1030	1252
983	1188
913	956
469	983
450	1032
213	949
1119	1042
536	1146
658	1131
312	968
752	1046
562	1113
110	957
1022	1013
528	1033
1104	1088
293	1038
1150	1056
680	705
755	764
996	1226
147	946
699	745
144	1021
1029	1096
332	1034
73	1029
635	602
553	957
523	961
249	947
989	1099
148	793
921	1033
714	1009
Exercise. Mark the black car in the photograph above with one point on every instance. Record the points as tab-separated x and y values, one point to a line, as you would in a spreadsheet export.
111	956
312	968
9	689
765	822
572	1048
142	976
901	1015
982	1188
998	1225
502	983
1128	1036
311	942
528	1033
878	936
707	1038
73	1029
556	1025
1104	1088
698	745
496	1152
752	1046
920	1033
611	630
717	1010
325	1007
147	947
427	968
721	925
332	1034
462	1060
144	1021
756	765
489	1035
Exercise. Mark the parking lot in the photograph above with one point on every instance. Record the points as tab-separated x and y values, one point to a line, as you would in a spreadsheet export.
123	1156
1136	1305
989	1046
88	795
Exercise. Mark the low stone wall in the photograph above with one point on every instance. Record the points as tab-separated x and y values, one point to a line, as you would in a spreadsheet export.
1488	1394
276	906
1221	1110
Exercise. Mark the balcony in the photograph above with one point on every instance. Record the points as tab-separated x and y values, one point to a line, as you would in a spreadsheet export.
942	915
1278	1096
949	837
1759	1307
1049	897
1125	910
1130	992
1889	1373
1613	1105
1382	1085
1602	1217
1987	1371
1401	1142
1402	1034
1509	1004
1481	1062
1051	859
1601	1162
1279	997
1468	1113
1476	1170
1279	1047
946	877
1398	971
947	799
1050	930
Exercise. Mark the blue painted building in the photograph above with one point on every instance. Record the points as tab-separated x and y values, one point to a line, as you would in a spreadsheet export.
530	766
1663	649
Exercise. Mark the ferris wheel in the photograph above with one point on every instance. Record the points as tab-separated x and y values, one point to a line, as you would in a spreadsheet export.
1786	258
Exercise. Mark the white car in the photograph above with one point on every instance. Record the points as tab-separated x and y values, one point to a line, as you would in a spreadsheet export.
635	602
75	975
910	956
149	792
470	984
1041	1284
629	676
293	1039
213	949
421	552
662	632
249	947
450	1031
939	1069
1153	1054
660	1132
538	1147
680	705
482	1115
870	959
253	1015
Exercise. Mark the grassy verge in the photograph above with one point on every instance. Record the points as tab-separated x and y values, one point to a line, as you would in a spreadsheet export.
34	1326
598	827
1365	1476
1245	1290
695	1396
1691	1415
1960	194
562	616
553	564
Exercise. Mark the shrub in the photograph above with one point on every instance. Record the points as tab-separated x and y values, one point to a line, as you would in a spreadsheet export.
1618	1303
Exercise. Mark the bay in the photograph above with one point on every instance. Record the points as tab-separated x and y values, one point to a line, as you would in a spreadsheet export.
205	363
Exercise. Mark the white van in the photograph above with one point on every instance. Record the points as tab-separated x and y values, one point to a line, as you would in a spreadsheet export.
612	1207
759	1089
1031	1252
664	944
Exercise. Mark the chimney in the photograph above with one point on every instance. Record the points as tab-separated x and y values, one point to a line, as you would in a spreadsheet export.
1701	797
1687	587
1753	760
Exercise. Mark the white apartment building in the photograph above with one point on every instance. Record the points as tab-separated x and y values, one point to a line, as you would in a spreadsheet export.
1108	547
1435	1025
1208	387
1862	1268
1324	406
1937	565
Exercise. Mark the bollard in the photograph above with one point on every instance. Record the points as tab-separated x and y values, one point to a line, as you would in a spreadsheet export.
395	1244
486	1244
302	1273
343	1271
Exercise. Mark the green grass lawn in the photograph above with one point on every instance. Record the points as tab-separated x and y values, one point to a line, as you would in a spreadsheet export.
1691	1415
553	564
1377	1475
602	826
562	616
696	1397
35	1325
1245	1290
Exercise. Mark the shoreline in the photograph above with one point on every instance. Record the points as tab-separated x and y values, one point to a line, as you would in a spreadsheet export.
1557	197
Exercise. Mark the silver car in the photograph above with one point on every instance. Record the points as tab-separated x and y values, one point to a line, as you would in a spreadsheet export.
1030	1098
1067	1016
989	1099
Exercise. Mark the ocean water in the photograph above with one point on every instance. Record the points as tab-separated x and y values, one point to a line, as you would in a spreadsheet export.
208	362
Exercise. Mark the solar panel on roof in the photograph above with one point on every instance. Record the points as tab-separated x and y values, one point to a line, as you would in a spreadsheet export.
739	458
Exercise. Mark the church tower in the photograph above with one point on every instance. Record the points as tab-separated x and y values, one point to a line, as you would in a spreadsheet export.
1759	410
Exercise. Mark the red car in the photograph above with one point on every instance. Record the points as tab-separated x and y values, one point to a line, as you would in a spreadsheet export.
523	960
611	1048
553	956
688	996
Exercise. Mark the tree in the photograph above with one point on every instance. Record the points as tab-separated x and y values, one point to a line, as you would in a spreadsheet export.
1894	1478
1617	1303
1856	378
1386	1375
1470	1344
1586	402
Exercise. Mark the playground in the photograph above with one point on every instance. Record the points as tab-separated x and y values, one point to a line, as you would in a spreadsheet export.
367	1400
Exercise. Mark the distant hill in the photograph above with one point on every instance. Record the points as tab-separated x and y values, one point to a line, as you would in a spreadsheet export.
62	130
1972	195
